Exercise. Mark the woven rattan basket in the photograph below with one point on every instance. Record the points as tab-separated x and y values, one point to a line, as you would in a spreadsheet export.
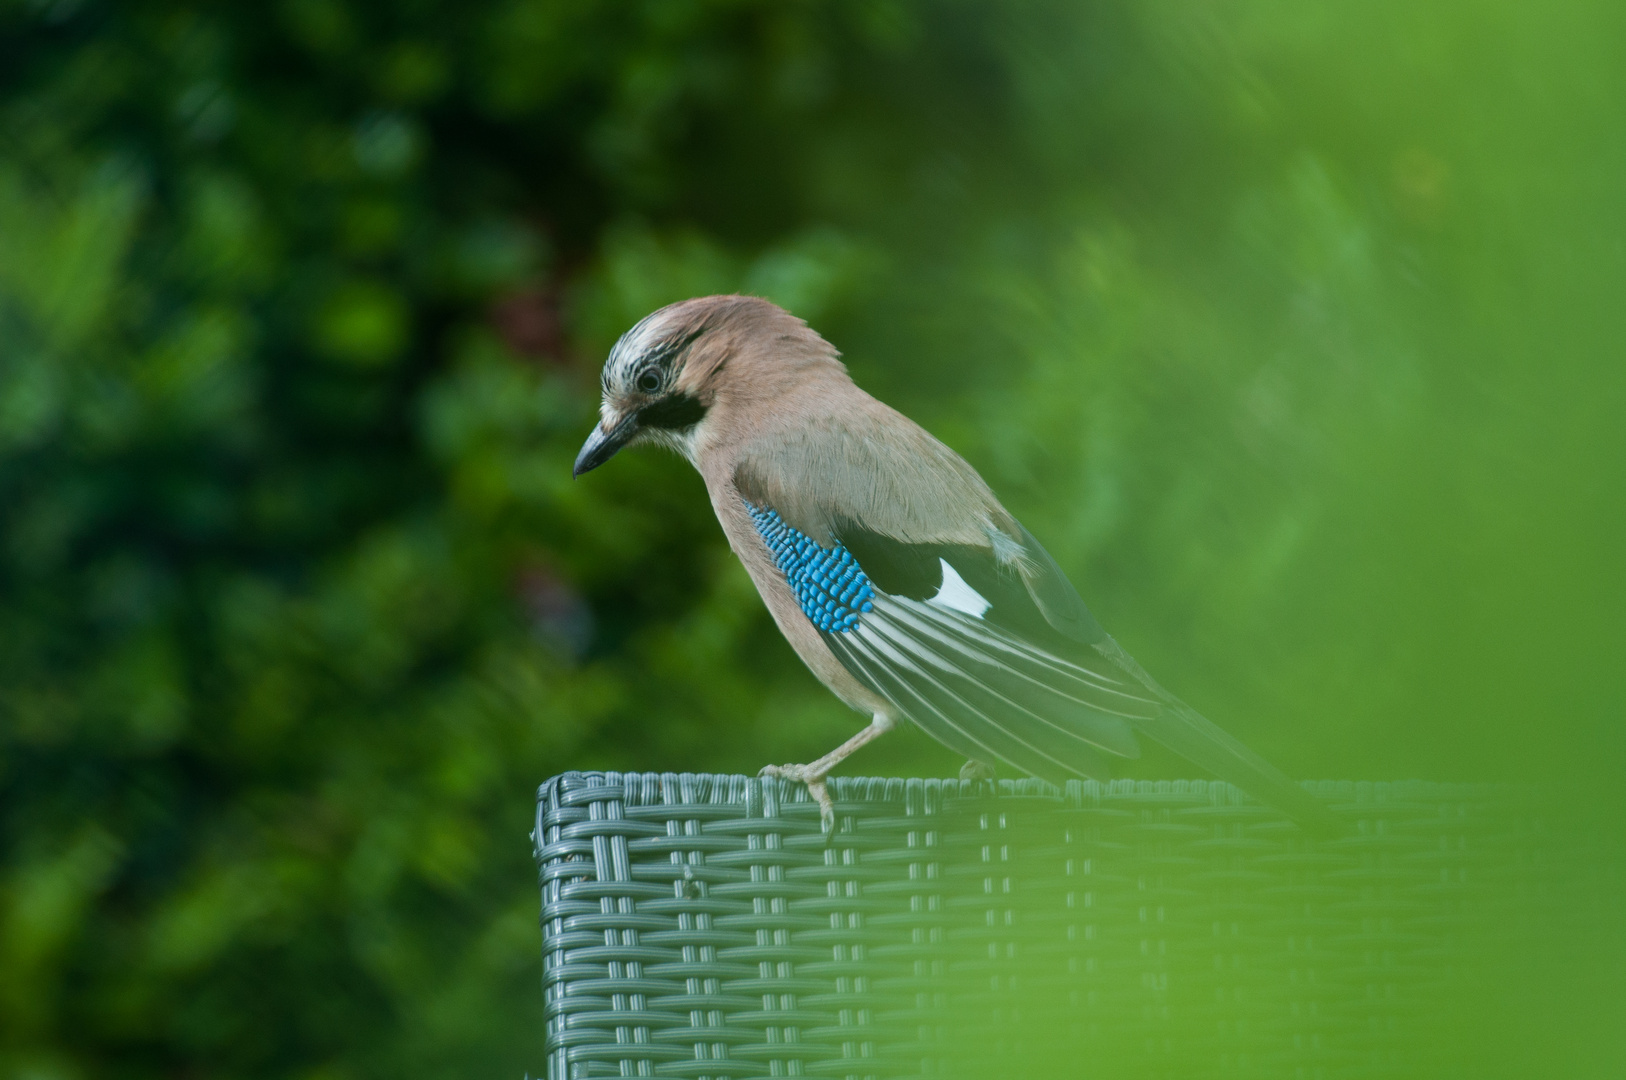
705	926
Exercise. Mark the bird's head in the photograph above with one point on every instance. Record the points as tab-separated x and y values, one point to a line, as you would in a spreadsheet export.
668	376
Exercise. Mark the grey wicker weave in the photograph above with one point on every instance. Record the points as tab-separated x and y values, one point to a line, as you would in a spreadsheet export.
704	926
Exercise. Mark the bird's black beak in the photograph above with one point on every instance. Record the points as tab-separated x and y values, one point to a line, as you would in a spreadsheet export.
602	445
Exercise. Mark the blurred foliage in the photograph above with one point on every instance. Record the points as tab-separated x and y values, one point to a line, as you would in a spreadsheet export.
1292	328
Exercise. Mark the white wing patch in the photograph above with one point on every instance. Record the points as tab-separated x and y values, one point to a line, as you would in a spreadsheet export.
956	595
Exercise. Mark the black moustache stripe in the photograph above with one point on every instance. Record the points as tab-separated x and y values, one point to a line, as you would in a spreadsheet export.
672	413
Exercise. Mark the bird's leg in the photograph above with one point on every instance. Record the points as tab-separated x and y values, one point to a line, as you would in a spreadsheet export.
813	774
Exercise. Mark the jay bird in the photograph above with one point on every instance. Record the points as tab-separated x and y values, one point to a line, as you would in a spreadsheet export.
887	562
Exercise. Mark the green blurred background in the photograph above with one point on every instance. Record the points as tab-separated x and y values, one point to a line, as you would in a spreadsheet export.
1293	328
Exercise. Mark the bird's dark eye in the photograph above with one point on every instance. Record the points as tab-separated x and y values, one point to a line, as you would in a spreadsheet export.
649	382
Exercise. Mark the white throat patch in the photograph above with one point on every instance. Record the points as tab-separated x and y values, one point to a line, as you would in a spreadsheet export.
682	440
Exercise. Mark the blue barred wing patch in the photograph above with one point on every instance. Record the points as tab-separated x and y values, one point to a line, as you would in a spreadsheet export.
828	583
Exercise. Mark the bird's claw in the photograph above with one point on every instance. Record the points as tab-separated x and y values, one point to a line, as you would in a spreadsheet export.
815	782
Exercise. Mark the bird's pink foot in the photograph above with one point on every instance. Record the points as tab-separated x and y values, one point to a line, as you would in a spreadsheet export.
807	774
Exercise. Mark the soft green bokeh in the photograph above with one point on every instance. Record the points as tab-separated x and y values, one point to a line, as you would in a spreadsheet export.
1294	330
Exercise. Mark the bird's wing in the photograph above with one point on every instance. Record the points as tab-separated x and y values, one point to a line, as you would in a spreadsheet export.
1175	724
934	597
